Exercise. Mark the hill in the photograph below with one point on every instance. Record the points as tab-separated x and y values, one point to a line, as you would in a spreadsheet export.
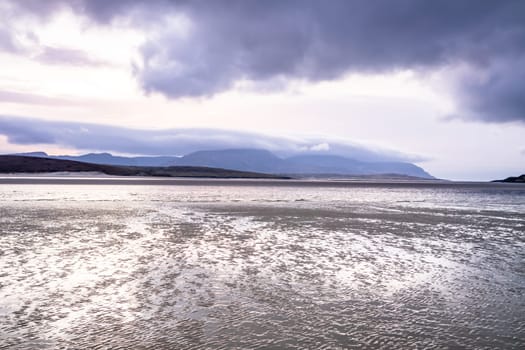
10	164
515	179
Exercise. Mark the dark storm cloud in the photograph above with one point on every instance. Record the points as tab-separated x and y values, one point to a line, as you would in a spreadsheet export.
498	93
97	137
234	40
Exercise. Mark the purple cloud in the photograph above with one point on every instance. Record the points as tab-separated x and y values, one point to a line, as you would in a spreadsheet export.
233	40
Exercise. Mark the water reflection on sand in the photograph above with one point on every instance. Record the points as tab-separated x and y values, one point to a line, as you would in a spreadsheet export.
213	266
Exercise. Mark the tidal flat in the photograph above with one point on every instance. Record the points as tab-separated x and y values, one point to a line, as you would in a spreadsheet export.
202	264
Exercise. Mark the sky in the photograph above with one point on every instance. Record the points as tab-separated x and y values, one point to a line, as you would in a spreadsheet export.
440	84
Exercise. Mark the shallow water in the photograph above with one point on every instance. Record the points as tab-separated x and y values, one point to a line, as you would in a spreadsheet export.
211	265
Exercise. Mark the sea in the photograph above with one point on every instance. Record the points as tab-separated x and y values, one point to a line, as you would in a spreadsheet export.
136	263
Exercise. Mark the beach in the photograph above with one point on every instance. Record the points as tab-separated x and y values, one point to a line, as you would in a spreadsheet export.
111	263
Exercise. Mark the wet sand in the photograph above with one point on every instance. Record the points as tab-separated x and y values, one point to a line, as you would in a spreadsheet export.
254	264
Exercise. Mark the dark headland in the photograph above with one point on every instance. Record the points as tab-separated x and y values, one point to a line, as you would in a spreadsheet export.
10	164
513	179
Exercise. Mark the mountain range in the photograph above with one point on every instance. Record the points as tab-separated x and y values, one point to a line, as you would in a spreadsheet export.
255	160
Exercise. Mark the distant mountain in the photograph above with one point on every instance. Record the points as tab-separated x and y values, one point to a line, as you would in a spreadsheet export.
515	179
316	164
11	164
33	154
257	160
238	159
108	158
319	164
267	162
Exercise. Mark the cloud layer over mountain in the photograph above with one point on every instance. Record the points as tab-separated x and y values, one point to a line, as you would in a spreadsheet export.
97	137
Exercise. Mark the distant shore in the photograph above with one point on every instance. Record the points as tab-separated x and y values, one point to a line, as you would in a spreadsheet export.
103	179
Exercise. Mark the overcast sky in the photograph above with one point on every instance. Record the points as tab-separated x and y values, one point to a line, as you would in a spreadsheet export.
438	83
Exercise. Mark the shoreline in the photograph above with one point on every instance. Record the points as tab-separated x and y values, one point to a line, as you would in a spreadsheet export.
103	179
